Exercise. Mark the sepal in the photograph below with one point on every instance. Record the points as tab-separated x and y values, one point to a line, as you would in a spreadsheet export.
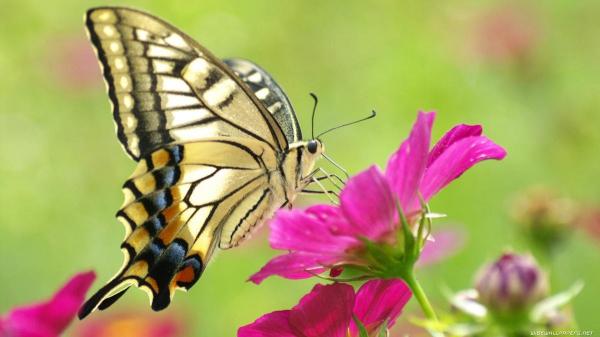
465	301
544	309
362	331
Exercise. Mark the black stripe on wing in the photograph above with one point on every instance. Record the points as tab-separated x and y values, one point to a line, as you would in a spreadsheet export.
270	94
143	60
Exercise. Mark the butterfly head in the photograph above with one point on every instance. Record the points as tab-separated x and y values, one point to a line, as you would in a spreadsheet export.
303	155
311	151
315	147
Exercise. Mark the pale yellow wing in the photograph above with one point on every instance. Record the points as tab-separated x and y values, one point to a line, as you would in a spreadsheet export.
165	88
180	203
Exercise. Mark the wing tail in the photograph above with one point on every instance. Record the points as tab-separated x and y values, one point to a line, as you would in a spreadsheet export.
107	302
171	268
104	294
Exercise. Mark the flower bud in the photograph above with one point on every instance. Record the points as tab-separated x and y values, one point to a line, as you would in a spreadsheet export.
589	220
511	284
545	218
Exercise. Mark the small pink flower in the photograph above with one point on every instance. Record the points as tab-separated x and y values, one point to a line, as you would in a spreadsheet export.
324	236
506	34
444	243
132	324
329	310
589	220
50	318
72	63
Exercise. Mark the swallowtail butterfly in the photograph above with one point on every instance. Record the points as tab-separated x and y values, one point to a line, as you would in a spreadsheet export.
217	145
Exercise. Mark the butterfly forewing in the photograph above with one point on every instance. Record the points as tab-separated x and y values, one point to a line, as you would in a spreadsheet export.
270	94
165	87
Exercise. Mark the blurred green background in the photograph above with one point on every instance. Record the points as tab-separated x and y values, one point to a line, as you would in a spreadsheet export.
528	71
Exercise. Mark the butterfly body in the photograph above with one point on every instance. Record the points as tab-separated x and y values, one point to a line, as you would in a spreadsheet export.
217	145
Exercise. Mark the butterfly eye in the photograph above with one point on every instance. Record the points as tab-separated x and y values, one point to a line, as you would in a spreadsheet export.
312	146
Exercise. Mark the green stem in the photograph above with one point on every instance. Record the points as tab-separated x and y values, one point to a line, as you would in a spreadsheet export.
419	293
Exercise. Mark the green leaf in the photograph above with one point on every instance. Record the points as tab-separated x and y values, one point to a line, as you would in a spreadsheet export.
429	324
435	328
552	303
362	331
466	329
449	326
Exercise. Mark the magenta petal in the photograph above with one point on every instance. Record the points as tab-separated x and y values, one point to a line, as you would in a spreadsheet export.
50	318
323	212
444	243
378	301
455	160
406	166
335	221
274	324
293	266
325	311
309	231
455	134
368	203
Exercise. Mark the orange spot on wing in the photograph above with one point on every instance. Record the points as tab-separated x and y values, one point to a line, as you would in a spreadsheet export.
172	211
160	158
168	233
186	275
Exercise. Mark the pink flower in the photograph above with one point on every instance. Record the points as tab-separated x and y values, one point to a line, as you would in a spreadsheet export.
329	310
50	318
506	34
444	243
589	220
324	236
72	63
132	324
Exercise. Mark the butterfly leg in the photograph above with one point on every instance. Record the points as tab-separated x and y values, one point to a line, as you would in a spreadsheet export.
323	190
307	191
335	180
333	177
311	178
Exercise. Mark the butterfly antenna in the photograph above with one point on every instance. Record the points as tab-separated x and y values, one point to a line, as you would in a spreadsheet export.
312	126
373	114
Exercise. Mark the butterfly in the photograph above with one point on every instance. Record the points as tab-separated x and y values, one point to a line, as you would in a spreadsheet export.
217	145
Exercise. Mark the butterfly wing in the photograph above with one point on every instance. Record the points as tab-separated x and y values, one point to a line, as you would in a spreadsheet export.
270	95
180	203
204	143
164	87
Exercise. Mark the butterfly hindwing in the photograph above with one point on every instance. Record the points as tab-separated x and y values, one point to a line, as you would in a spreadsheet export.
165	87
180	203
